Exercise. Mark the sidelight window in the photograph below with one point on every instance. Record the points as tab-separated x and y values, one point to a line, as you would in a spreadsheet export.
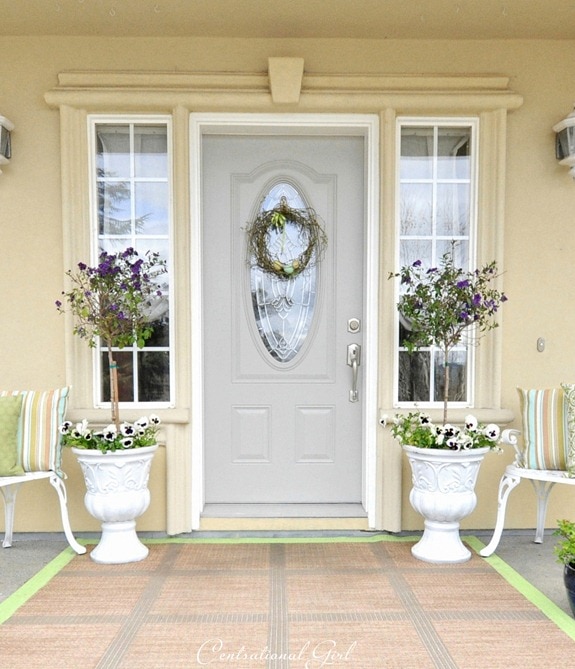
131	188
437	211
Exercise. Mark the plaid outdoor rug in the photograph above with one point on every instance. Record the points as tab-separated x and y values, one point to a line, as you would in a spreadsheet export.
279	604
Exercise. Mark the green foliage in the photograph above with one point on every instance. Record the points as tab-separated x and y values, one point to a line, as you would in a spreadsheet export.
113	300
565	549
139	434
441	304
416	429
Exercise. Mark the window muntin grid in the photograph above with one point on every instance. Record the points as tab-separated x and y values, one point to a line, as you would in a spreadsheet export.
436	206
131	183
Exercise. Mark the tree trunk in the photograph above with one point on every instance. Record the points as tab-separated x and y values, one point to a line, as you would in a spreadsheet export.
445	386
113	388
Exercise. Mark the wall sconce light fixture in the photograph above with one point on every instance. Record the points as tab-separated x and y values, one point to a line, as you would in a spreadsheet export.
565	142
6	128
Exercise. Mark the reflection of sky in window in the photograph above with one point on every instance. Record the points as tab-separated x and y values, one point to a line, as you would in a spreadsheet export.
152	205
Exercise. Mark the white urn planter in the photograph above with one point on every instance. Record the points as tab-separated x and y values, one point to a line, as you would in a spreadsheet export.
117	494
443	493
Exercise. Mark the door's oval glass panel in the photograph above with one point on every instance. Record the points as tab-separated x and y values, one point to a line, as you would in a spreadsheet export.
284	307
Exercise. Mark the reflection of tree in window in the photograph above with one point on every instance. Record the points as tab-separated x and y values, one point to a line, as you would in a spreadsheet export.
111	194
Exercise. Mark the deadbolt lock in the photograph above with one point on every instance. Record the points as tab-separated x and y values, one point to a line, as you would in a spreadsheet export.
353	325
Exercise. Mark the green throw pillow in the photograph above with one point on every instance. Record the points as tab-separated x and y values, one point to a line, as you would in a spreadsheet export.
10	408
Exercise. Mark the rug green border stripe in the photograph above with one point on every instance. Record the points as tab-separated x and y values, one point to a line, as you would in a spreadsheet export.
530	592
12	603
279	540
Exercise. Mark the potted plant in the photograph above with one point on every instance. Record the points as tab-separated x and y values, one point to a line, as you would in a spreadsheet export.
114	302
441	307
565	552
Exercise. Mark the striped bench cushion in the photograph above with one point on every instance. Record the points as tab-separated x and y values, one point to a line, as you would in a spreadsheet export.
545	429
38	435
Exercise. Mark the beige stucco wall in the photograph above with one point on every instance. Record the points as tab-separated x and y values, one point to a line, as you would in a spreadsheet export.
539	244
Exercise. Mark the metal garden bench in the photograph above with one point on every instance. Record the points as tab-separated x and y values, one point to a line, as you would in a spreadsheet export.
30	450
541	456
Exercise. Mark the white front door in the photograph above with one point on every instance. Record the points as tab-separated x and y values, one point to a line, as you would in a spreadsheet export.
281	423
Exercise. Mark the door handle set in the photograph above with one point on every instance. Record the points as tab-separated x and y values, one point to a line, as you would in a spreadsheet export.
354	361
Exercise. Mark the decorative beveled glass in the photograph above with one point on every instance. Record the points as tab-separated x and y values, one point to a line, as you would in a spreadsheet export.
284	307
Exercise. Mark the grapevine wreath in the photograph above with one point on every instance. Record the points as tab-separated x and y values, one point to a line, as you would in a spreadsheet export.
310	233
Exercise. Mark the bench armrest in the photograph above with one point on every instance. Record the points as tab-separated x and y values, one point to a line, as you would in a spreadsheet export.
511	437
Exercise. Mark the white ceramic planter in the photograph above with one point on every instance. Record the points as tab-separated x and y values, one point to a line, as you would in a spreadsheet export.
443	493
117	494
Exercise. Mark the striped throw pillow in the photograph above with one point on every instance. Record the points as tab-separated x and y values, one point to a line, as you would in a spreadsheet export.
38	436
544	418
569	390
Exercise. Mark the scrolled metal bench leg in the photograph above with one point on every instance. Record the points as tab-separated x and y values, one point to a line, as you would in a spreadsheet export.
9	494
542	489
506	485
58	484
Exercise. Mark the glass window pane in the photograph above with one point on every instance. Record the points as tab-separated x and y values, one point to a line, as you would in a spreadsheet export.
150	151
416	249
414	376
125	364
457	376
416	209
151	208
460	250
453	209
153	376
114	208
416	153
161	334
454	151
113	151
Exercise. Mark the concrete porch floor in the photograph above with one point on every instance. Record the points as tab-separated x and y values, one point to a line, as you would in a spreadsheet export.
535	562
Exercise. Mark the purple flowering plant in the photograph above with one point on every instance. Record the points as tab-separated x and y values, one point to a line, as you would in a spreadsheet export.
113	302
445	305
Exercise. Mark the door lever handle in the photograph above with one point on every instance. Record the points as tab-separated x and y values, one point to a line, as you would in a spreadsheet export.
354	361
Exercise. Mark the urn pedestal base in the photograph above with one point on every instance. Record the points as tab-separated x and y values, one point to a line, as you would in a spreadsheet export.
440	543
119	543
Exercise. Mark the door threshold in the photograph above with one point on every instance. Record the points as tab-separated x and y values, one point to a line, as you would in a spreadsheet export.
283	518
284	511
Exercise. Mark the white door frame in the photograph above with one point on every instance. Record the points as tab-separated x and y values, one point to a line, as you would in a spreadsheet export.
313	124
